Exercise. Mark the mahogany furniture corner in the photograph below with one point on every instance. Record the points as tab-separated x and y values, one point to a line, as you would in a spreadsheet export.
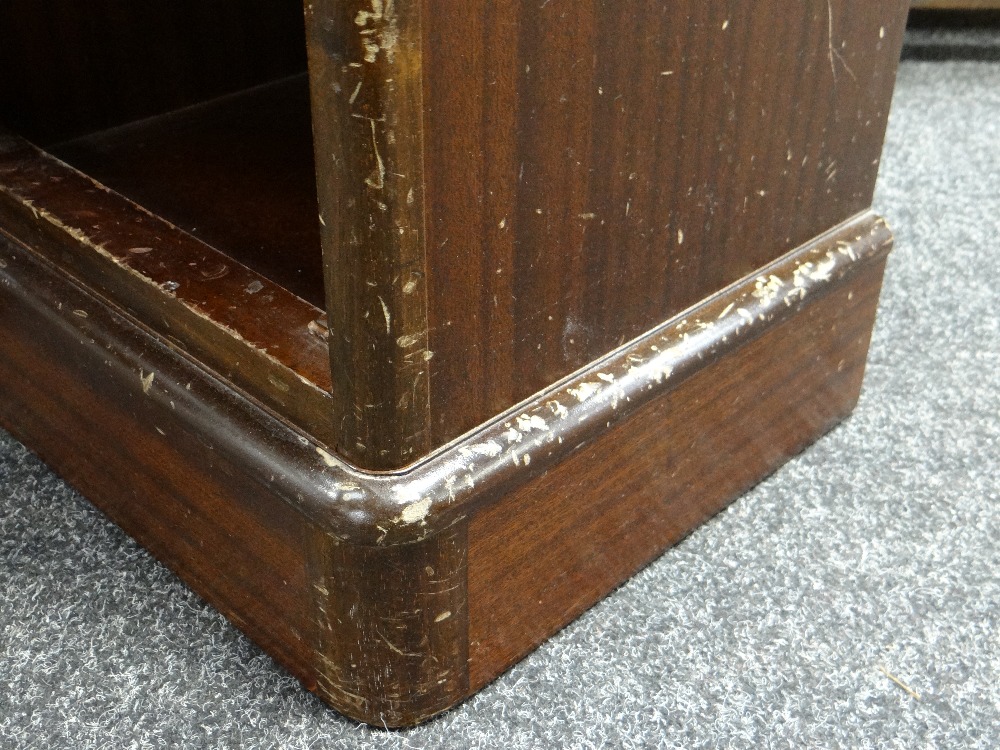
405	335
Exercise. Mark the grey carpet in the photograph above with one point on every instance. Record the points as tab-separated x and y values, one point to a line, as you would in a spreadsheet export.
774	625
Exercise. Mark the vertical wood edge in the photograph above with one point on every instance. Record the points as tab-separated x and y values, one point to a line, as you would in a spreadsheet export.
391	626
365	67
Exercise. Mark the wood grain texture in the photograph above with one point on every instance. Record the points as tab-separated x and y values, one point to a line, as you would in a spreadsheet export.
591	269
233	501
395	595
957	4
551	549
253	332
593	168
497	213
393	626
236	172
551	179
87	390
365	66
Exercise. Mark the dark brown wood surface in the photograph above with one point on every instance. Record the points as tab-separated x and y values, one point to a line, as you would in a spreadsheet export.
236	172
233	501
76	385
392	626
662	206
366	77
395	595
548	551
596	167
586	170
251	331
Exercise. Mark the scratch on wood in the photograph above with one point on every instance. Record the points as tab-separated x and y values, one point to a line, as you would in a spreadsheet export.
376	180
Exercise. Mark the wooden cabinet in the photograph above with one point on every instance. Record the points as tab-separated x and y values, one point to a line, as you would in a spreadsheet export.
405	334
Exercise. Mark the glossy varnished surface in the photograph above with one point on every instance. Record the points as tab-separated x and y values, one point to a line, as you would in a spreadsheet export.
251	331
76	385
551	549
366	76
505	195
565	177
395	595
593	168
248	512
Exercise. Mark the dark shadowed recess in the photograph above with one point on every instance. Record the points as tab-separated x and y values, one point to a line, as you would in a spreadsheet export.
970	35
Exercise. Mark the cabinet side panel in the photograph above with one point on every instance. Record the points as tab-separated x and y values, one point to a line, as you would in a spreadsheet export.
593	168
551	549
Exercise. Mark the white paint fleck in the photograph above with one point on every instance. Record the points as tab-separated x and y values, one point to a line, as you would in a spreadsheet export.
585	391
662	373
408	340
527	423
387	315
328	458
379	29
845	248
416	512
376	180
801	274
490	448
767	289
824	269
406	494
558	409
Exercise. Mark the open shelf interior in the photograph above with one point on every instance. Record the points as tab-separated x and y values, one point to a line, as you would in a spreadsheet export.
197	111
237	172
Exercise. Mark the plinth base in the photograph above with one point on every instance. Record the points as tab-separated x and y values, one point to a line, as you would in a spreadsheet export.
394	596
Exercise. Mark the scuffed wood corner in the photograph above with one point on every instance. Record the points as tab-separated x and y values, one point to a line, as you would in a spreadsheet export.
372	610
383	510
389	509
391	627
365	66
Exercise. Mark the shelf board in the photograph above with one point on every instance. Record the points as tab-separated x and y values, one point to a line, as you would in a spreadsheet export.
236	172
